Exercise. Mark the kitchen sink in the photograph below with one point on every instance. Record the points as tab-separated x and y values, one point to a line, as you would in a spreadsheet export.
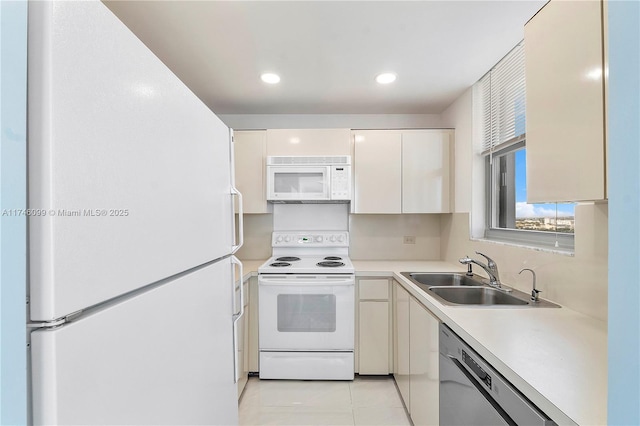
459	289
476	296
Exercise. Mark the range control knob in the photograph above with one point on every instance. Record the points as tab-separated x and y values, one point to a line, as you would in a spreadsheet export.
287	238
341	238
319	238
333	238
279	239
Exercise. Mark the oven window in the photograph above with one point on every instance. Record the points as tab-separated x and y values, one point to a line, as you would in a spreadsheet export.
299	183
306	313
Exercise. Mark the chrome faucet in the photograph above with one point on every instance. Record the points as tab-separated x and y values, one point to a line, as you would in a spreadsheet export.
491	268
534	291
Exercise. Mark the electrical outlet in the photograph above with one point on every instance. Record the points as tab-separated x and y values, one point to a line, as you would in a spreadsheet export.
410	239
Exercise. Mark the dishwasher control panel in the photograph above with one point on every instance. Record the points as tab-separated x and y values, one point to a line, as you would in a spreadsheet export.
475	367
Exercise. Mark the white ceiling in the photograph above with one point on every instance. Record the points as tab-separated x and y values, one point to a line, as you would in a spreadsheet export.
328	52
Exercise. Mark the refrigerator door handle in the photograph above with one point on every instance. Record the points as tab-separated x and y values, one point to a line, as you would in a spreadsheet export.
234	191
240	240
238	315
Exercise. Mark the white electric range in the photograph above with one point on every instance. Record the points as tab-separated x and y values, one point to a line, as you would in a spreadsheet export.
306	307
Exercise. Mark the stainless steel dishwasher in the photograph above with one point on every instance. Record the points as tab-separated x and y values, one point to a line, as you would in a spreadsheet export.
473	393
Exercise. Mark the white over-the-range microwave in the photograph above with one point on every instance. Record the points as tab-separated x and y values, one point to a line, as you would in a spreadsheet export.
312	179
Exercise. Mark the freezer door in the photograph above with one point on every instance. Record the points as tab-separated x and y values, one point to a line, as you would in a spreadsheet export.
162	357
129	172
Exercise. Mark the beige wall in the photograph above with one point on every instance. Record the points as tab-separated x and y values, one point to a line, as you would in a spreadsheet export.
257	237
381	236
577	281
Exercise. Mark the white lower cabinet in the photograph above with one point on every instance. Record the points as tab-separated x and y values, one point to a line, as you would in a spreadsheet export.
423	360
416	357
252	319
401	342
374	332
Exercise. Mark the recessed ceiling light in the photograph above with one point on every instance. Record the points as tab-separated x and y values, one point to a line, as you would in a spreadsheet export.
386	78
270	78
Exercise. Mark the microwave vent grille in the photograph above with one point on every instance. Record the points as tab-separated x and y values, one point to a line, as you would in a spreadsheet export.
306	161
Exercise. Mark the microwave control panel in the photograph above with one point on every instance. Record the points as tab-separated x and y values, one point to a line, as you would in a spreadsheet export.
341	182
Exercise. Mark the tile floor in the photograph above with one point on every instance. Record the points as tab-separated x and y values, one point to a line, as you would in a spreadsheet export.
364	401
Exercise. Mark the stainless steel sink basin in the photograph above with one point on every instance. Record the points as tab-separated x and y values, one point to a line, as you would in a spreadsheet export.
443	279
476	296
458	289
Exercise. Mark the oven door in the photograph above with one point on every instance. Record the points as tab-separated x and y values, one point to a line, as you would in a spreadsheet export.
306	312
286	183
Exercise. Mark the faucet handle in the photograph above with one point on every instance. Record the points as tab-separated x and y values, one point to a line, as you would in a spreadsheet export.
490	262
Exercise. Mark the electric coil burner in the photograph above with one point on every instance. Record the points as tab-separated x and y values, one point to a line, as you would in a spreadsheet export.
280	264
306	307
330	264
288	259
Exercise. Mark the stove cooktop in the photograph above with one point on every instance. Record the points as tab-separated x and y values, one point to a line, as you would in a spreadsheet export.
312	264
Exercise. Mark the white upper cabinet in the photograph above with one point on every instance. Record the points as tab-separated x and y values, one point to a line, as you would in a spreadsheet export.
308	142
377	166
402	171
425	171
564	65
250	162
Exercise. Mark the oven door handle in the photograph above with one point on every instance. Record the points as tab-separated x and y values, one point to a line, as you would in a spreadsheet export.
347	281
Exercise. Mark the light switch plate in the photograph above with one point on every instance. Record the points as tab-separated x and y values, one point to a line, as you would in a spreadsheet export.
409	239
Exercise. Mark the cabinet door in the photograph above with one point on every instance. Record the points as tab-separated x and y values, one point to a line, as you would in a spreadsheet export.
401	342
250	163
378	171
425	171
565	103
253	326
424	375
308	142
373	337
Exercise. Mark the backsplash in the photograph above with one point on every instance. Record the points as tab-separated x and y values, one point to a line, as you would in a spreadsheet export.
373	237
578	282
381	236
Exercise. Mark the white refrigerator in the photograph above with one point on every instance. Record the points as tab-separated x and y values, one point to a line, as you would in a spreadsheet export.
132	306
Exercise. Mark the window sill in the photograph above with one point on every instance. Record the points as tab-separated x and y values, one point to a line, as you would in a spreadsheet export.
559	251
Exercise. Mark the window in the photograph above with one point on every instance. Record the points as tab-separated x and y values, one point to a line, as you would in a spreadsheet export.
508	215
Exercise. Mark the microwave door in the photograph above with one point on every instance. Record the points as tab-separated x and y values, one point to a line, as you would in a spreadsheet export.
298	183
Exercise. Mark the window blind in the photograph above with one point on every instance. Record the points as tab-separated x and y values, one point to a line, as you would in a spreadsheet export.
502	92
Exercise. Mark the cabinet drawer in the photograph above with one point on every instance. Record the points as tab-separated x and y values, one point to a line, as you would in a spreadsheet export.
374	289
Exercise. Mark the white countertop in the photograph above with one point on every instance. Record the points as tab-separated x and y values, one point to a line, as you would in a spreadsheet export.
555	357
